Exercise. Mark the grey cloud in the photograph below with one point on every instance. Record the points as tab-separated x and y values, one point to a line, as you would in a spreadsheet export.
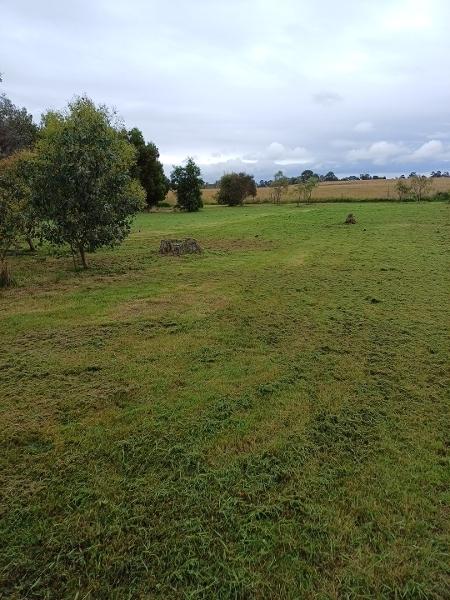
431	149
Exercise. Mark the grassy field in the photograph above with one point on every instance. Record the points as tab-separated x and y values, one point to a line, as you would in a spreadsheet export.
374	189
267	420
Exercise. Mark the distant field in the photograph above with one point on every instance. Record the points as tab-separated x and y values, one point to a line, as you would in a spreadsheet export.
339	190
268	420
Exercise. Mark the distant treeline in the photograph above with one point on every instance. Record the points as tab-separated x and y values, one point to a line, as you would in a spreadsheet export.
330	176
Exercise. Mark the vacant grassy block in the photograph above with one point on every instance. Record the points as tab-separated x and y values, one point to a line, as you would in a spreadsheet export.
270	421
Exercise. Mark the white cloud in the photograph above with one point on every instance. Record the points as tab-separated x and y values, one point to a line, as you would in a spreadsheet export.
260	53
409	15
279	154
351	62
274	150
383	153
379	152
433	148
201	158
297	156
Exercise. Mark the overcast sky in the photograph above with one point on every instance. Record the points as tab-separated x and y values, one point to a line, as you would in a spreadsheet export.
351	86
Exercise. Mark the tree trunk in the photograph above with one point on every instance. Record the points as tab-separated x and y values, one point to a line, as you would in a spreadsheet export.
5	277
82	256
30	244
73	252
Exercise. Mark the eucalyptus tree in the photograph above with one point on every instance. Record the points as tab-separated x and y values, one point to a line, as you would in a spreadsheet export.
187	183
85	193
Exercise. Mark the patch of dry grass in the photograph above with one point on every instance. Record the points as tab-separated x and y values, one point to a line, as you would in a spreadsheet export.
374	189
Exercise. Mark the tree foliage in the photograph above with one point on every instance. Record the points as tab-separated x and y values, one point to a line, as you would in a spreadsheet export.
26	171
306	188
17	130
148	169
187	183
15	197
307	174
416	187
402	189
280	185
420	186
84	190
235	187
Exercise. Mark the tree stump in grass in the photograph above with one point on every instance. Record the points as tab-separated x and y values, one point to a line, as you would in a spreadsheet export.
179	247
350	220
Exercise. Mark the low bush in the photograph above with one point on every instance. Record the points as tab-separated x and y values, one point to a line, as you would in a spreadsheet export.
442	196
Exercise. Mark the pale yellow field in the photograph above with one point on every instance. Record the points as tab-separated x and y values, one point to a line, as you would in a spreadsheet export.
339	190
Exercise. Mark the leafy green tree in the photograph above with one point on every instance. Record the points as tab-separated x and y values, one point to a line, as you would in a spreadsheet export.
17	130
15	196
330	176
84	190
135	137
187	183
148	168
419	186
402	189
306	188
307	174
280	186
235	187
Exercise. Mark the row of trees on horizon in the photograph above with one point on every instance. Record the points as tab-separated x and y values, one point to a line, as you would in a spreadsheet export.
330	176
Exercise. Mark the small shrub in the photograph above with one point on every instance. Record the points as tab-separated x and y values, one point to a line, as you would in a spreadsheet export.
442	196
235	187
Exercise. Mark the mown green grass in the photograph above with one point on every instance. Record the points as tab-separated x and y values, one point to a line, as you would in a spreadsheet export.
267	420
